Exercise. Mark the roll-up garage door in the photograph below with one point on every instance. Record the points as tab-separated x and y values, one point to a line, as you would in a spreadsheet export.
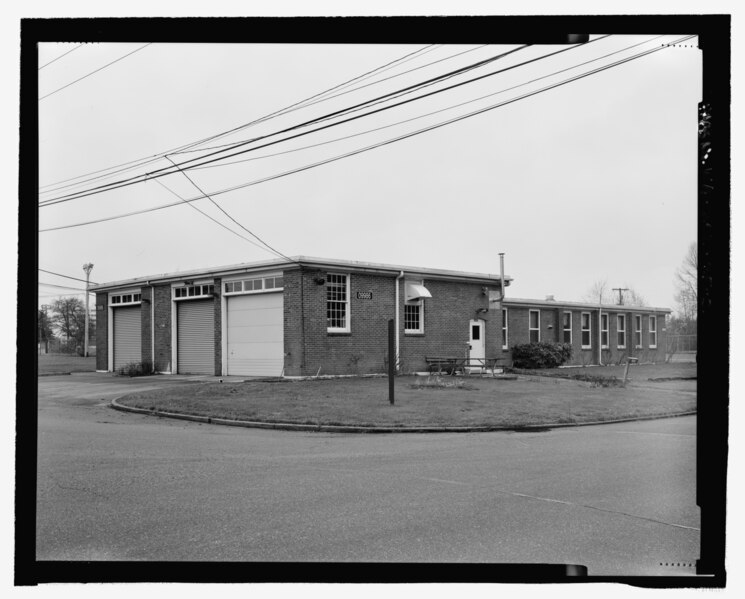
255	335
127	336
196	337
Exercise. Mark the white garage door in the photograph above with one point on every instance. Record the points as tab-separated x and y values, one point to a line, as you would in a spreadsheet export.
255	335
196	337
127	336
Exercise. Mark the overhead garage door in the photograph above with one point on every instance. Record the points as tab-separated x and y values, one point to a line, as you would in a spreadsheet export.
196	337
255	335
127	336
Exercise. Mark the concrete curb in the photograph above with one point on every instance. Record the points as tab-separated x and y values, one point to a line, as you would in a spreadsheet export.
334	428
53	373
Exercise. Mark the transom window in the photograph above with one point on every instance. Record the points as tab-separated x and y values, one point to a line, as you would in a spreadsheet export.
586	323
254	285
125	298
534	325
653	332
621	331
193	291
637	330
567	327
337	303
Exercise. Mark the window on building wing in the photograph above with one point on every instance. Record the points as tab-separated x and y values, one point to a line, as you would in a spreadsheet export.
604	331
505	329
337	303
534	320
621	331
567	327
653	332
586	322
637	330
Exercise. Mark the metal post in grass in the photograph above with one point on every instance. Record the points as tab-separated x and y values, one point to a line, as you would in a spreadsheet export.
391	358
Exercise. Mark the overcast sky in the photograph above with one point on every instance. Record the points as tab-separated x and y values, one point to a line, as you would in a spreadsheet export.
592	180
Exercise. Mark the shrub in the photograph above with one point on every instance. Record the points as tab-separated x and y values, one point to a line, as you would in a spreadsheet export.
137	368
544	354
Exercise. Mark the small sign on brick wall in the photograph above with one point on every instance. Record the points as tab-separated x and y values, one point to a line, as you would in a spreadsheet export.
364	295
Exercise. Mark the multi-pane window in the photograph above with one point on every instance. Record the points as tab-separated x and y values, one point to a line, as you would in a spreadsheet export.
637	330
604	331
534	325
337	303
254	284
621	331
505	329
586	326
413	321
567	326
193	291
126	298
653	332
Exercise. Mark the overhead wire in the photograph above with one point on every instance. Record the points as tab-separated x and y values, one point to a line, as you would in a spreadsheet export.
61	286
62	56
409	89
65	276
142	161
398	138
94	72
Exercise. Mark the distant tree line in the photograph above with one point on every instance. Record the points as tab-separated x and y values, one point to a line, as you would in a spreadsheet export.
64	321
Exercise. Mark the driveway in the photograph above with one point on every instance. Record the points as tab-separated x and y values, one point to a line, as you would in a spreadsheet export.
619	498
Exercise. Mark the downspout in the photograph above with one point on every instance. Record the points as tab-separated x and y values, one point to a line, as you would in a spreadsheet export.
600	335
152	323
398	350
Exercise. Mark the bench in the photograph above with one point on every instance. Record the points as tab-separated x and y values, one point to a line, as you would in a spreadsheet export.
450	365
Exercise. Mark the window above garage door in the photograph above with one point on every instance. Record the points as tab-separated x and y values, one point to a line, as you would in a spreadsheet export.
125	298
262	284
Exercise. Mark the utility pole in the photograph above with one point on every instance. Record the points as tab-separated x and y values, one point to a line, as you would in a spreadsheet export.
620	294
87	268
44	308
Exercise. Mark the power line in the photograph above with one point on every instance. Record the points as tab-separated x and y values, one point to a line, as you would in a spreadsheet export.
61	286
389	141
65	276
143	161
278	253
56	59
408	89
399	138
159	182
94	72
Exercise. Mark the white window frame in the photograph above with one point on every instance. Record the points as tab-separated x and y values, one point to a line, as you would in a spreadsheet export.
564	329
129	297
620	318
584	330
531	328
652	332
347	304
605	330
419	302
505	329
197	290
268	284
638	331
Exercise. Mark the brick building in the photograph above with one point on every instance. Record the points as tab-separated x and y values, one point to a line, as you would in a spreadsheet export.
303	316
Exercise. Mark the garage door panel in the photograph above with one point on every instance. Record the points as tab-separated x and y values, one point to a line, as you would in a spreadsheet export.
127	336
255	330
196	337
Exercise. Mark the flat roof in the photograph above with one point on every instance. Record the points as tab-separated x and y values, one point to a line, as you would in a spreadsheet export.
585	305
304	261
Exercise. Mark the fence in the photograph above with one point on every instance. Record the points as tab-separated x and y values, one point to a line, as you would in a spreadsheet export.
678	344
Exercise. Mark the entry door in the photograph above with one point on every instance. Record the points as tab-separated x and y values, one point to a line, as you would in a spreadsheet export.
476	340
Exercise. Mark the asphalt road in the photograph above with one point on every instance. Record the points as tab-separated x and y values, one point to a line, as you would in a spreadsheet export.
617	498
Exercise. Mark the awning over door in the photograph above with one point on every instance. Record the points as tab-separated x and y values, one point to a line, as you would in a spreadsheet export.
196	337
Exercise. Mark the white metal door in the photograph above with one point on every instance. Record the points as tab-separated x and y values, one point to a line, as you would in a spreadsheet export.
476	341
196	337
127	336
255	328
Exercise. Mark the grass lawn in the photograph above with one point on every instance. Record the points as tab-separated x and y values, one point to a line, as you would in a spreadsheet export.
56	363
421	401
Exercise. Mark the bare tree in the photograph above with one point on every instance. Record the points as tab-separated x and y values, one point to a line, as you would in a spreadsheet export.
686	294
598	293
631	297
68	316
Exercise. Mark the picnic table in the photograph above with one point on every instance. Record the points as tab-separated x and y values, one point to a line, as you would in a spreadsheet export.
454	365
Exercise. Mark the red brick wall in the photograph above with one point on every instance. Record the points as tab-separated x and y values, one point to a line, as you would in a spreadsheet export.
102	331
309	346
163	328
